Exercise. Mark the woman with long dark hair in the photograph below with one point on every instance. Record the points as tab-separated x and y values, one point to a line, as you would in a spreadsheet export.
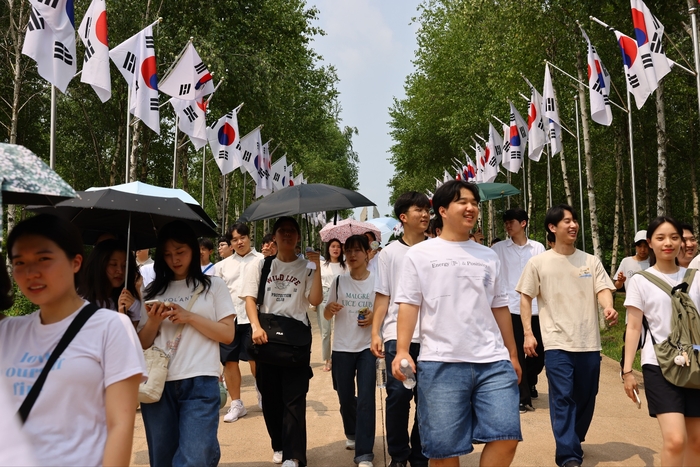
677	409
103	280
84	414
289	289
333	266
193	313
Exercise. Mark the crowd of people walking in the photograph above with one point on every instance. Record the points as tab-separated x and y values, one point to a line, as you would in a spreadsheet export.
463	330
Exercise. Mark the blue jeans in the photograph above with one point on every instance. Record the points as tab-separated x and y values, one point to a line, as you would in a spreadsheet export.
573	385
358	412
463	403
398	406
181	427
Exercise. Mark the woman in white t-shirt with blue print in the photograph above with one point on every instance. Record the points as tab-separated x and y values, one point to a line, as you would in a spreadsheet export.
84	414
676	409
351	301
181	428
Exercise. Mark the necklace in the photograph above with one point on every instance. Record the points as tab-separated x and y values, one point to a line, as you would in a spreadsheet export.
365	276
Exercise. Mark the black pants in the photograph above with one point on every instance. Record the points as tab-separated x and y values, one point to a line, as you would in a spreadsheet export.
531	366
283	393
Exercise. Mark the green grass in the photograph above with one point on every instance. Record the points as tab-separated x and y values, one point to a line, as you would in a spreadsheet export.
611	338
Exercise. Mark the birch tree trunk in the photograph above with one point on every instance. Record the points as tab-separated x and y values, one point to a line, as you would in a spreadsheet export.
693	178
590	186
662	193
618	203
16	34
565	177
135	151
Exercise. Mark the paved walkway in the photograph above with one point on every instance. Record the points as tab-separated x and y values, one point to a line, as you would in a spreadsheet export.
619	435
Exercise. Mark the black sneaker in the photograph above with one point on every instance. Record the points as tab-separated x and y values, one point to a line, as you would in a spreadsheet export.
572	463
397	464
526	408
533	392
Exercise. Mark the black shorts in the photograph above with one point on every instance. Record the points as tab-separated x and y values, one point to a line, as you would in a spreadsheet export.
664	397
236	350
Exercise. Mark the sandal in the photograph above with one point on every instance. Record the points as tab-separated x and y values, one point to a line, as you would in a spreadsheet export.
327	366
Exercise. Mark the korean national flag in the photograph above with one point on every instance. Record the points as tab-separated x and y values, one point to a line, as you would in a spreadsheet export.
50	41
93	32
634	69
224	141
189	79
192	120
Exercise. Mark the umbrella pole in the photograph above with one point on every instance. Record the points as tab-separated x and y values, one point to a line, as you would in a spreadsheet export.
128	253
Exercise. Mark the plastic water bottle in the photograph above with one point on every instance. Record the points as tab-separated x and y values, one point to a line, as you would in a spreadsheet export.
410	381
381	373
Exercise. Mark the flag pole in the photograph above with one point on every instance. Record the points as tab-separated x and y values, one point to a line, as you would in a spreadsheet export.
549	175
52	145
177	120
580	179
204	166
629	122
128	132
696	51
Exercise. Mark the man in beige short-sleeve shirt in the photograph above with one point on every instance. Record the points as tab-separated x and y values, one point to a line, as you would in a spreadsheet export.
568	285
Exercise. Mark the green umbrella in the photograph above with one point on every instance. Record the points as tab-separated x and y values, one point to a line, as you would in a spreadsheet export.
26	179
489	191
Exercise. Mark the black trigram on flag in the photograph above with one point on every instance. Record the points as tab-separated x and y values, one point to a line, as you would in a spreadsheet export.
149	42
596	87
498	150
276	177
89	50
261	173
550	106
552	133
647	61
656	46
523	132
246	156
200	68
223	154
540	125
60	52
506	145
51	3
190	113
633	80
185	88
129	62
154	104
516	155
493	162
35	21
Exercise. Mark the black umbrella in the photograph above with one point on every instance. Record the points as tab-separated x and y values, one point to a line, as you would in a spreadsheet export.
300	199
139	216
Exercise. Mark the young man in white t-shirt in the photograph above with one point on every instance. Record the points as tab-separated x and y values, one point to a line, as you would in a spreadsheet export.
468	367
231	271
514	254
633	264
567	283
413	210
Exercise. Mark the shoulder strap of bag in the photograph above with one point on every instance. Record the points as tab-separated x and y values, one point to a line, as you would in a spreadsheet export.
337	282
657	281
267	265
73	329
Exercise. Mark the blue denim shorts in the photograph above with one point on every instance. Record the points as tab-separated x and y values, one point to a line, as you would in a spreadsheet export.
464	403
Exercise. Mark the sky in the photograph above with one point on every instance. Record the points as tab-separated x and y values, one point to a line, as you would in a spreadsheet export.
371	44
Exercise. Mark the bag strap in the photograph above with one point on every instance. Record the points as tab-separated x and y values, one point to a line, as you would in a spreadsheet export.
267	265
176	340
337	282
657	281
73	329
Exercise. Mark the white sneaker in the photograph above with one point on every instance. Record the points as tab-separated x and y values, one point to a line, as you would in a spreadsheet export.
277	457
259	397
365	464
349	444
236	411
290	463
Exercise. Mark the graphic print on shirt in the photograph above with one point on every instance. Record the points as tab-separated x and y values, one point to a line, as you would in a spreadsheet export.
29	367
282	286
466	269
357	302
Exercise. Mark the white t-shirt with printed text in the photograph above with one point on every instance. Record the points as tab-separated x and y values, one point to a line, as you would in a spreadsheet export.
196	355
630	266
67	425
287	290
656	306
456	285
389	269
354	295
